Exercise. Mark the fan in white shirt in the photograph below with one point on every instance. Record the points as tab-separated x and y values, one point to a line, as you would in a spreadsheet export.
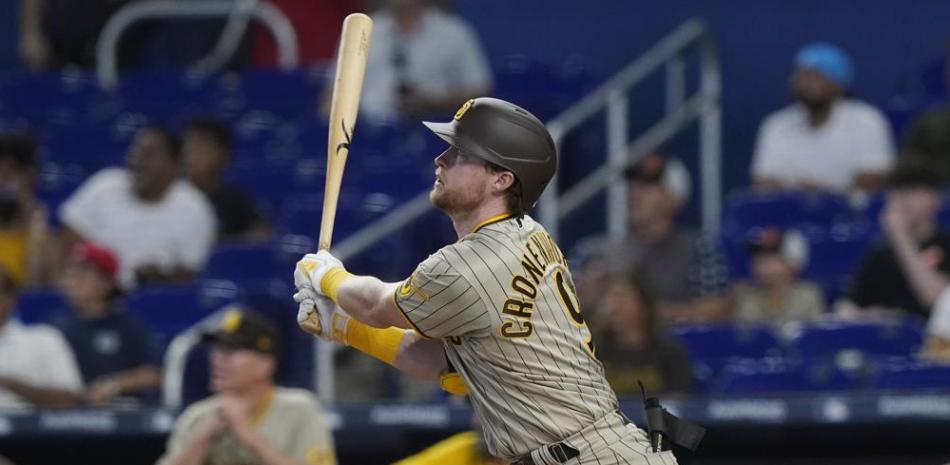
37	367
823	141
423	61
161	228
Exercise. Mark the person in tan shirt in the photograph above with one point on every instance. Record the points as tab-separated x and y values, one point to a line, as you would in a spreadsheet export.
249	420
776	295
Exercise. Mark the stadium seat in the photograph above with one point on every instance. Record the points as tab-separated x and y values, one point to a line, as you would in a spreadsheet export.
39	306
716	344
167	310
828	340
749	209
240	262
911	374
773	376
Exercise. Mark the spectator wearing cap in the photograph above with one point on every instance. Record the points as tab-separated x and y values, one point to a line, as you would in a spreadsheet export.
776	295
111	347
206	147
249	419
824	141
161	228
884	281
37	368
682	269
24	221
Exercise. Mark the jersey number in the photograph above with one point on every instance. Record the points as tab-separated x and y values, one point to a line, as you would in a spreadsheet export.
571	305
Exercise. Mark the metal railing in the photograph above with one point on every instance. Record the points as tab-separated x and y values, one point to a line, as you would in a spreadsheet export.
612	96
238	12
176	359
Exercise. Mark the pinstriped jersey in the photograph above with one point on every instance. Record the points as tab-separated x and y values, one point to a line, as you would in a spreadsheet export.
502	300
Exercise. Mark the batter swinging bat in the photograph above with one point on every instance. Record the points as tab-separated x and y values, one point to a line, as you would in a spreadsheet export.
347	85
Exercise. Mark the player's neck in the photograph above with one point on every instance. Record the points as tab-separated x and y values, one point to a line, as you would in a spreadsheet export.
466	222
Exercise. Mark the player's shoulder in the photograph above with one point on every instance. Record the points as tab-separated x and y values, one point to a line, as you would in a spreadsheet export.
295	398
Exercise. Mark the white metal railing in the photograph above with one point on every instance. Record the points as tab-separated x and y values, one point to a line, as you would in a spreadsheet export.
238	12
176	359
612	96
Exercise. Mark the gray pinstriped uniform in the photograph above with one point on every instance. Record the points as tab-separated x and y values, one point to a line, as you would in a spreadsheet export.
502	301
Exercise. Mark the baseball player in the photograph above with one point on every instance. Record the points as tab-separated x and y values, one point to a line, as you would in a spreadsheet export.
494	314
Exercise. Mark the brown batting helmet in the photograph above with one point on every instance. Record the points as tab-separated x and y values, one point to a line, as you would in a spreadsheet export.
508	136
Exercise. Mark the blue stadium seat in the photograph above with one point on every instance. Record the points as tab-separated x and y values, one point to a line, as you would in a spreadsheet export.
826	340
240	262
748	209
715	344
911	374
167	310
39	306
772	375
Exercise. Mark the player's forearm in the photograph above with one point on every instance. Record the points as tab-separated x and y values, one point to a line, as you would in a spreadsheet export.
926	282
42	397
421	357
369	300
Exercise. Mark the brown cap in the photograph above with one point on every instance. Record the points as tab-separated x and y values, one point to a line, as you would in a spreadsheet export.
242	329
507	135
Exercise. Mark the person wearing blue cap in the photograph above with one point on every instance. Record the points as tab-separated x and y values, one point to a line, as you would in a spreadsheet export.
824	141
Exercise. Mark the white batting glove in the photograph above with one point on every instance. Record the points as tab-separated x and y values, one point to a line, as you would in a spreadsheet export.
331	317
311	268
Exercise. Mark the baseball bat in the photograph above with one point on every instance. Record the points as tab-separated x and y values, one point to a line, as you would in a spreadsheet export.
347	86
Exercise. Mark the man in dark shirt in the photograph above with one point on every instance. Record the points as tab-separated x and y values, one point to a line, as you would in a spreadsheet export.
207	152
880	282
112	348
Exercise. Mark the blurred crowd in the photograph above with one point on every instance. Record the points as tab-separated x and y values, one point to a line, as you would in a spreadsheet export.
157	219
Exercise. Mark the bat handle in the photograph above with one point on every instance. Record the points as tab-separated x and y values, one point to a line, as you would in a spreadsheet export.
312	324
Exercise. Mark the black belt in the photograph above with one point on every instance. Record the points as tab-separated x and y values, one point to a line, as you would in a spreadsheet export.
560	451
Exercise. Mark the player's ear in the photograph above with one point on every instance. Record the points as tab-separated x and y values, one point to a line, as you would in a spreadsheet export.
503	180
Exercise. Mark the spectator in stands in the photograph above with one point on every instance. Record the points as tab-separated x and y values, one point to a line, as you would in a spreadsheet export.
881	282
685	271
423	61
775	295
112	348
928	137
24	223
57	33
249	419
160	227
36	366
634	346
317	24
930	284
825	141
207	153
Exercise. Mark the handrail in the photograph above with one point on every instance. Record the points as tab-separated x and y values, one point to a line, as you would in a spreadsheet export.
176	359
268	15
612	97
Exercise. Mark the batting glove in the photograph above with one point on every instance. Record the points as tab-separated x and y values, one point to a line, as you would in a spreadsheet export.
310	270
331	317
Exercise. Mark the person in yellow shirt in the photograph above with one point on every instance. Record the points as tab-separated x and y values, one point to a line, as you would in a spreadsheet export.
24	232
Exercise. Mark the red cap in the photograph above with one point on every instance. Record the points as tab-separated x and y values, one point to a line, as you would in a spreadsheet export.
101	257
